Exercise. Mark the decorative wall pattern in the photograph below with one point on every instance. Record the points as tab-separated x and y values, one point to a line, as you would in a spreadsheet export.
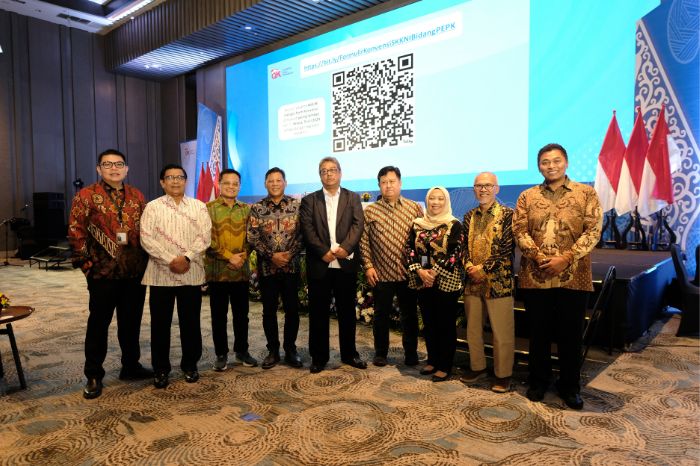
666	49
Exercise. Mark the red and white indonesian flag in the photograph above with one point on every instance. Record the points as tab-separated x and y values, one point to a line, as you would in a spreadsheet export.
632	168
656	191
607	176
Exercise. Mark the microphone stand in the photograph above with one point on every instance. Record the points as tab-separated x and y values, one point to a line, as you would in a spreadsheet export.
6	223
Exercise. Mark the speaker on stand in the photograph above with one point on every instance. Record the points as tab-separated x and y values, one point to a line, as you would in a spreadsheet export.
49	218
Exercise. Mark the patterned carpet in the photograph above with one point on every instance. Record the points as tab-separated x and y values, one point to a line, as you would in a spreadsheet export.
641	408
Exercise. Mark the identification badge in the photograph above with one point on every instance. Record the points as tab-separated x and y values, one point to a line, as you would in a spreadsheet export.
122	237
424	261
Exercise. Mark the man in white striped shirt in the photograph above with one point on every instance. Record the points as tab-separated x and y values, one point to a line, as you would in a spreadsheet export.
175	232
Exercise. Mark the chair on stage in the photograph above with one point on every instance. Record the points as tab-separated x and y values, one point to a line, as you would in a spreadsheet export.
598	312
690	296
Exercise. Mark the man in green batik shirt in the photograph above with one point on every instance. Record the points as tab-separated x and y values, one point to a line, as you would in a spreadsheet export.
228	272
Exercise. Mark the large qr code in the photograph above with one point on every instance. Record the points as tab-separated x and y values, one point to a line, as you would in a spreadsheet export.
373	105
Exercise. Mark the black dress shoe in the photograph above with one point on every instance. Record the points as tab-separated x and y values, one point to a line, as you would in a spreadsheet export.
411	360
293	360
191	376
161	380
572	400
437	378
379	361
426	371
92	389
535	394
355	362
136	373
271	360
316	368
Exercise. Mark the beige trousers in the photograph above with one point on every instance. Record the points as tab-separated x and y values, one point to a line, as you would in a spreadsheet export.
500	314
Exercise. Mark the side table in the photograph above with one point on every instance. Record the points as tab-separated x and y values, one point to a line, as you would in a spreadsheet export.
7	316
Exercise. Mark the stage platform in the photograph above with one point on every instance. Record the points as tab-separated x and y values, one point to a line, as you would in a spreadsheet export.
641	292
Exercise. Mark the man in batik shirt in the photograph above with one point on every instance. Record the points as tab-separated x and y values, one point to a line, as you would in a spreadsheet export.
556	225
274	233
103	230
228	273
488	261
388	224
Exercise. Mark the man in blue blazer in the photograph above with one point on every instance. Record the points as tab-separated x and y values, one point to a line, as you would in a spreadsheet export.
331	223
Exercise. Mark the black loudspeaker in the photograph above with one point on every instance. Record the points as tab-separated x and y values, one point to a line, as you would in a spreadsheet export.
49	217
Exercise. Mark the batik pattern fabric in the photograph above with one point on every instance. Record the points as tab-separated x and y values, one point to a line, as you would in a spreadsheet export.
274	227
440	249
490	245
383	241
565	222
92	231
228	237
170	229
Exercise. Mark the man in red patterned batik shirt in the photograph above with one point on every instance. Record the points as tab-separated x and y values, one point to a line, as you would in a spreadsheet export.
104	232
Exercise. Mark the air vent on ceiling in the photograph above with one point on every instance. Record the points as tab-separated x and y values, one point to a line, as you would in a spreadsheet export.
75	19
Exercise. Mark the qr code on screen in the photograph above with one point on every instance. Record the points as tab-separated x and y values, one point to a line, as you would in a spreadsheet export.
373	105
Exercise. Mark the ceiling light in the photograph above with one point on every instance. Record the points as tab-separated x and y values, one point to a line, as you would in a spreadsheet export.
120	14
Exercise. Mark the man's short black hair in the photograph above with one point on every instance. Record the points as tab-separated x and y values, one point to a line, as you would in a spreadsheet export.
229	171
550	147
110	152
389	168
275	170
171	166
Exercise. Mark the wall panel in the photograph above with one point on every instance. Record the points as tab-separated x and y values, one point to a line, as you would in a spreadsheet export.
59	107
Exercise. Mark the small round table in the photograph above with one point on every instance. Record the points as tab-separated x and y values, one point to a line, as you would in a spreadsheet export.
8	315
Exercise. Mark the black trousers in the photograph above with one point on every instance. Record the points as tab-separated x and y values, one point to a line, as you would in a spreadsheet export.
439	326
555	314
342	286
189	306
127	297
220	294
271	288
383	302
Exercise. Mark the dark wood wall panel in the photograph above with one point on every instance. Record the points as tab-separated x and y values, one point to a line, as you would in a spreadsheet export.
136	131
59	107
83	83
174	114
105	100
46	106
6	118
22	144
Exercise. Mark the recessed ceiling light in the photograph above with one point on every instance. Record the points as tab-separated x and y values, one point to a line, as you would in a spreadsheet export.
248	27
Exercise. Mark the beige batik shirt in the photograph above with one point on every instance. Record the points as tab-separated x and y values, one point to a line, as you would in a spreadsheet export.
566	222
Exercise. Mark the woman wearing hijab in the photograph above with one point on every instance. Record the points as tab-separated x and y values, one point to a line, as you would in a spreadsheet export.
437	273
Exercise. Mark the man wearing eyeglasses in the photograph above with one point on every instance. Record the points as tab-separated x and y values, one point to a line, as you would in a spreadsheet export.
488	261
175	231
103	229
332	222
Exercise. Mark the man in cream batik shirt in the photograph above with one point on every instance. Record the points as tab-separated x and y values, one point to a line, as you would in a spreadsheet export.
175	232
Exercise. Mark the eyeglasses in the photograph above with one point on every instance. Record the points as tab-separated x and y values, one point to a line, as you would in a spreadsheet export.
113	164
484	187
328	171
175	178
